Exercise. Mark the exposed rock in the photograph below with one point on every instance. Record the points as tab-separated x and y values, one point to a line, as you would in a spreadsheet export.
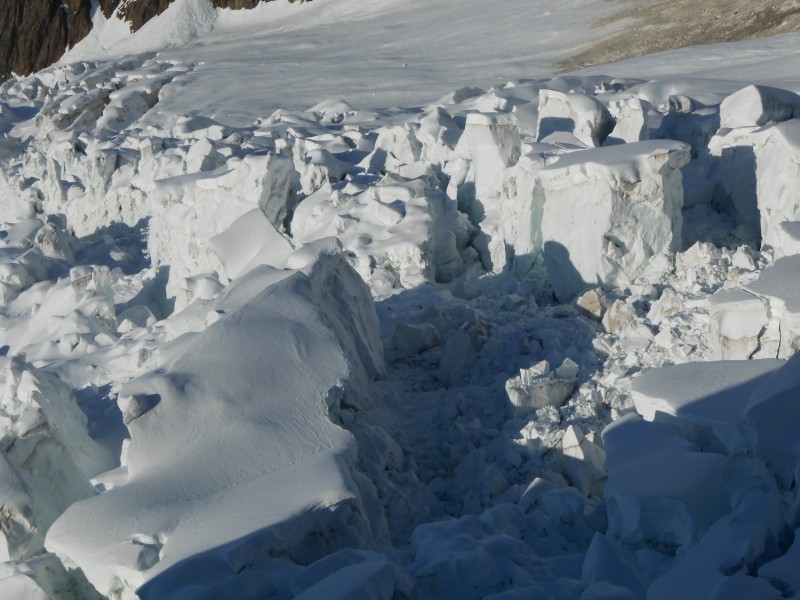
35	34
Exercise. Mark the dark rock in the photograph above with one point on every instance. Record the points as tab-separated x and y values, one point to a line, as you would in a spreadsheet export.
35	33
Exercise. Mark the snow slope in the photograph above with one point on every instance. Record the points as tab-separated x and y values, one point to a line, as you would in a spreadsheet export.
268	334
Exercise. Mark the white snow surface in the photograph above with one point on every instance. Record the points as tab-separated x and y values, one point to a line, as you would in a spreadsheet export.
290	308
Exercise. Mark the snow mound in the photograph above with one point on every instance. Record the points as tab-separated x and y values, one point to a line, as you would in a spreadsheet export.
252	409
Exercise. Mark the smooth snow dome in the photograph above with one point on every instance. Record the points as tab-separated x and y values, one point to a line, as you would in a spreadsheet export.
352	299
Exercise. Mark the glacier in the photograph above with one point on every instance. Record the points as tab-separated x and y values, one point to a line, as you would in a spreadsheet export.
274	326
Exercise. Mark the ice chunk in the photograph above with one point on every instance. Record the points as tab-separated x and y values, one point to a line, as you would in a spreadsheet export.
594	303
538	386
630	116
758	105
575	113
611	215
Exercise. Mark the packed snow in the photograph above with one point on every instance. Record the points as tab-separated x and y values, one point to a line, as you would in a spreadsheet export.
535	339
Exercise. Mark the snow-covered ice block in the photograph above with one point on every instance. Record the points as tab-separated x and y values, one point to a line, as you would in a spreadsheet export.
376	578
707	399
318	166
609	561
758	105
195	208
402	232
784	568
232	449
738	323
582	461
42	578
576	113
630	116
779	287
439	134
661	489
494	144
756	171
612	215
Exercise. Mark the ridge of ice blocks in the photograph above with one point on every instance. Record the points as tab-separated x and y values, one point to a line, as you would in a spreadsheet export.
612	215
236	397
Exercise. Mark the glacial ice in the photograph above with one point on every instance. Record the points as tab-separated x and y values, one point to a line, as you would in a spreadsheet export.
612	215
309	353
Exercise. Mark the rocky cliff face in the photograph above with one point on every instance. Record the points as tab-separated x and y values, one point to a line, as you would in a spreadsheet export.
36	33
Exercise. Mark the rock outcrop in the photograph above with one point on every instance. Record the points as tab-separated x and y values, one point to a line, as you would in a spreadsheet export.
35	33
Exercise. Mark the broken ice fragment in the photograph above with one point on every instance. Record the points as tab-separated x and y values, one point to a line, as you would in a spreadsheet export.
538	386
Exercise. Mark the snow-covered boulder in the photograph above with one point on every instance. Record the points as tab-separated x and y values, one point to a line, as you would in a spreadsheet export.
612	215
233	454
